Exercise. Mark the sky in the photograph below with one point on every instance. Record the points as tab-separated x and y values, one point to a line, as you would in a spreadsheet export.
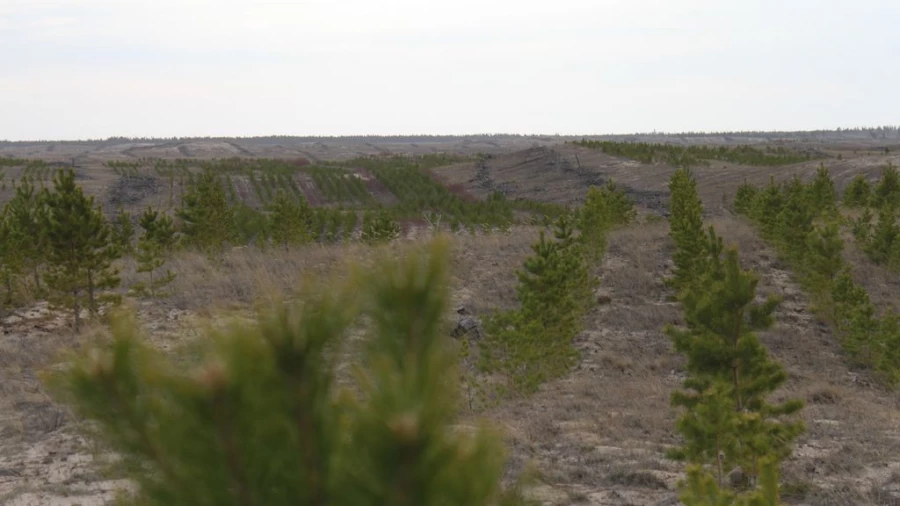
87	69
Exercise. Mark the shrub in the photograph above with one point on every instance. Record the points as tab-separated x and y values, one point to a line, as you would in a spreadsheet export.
379	227
887	191
858	192
152	251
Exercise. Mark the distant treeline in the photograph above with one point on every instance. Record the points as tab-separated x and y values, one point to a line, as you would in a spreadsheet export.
876	132
687	156
267	139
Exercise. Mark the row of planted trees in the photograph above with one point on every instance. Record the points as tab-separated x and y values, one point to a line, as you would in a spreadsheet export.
534	343
210	220
733	436
57	243
803	222
206	220
417	191
876	229
686	156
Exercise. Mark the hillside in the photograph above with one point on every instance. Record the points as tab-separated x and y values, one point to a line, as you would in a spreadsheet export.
596	436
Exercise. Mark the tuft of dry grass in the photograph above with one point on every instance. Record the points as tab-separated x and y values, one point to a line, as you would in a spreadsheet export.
596	434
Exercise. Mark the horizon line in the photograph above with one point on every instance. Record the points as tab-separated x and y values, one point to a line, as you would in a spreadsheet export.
482	134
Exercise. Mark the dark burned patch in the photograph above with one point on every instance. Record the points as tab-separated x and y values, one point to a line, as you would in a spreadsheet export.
550	175
130	190
652	200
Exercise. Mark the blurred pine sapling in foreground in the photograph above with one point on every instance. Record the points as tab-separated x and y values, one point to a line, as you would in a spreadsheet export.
266	417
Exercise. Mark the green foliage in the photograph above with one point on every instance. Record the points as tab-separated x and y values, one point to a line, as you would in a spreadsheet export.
10	263
28	247
152	252
342	189
289	220
868	339
887	192
794	222
418	191
554	283
858	193
768	209
81	250
262	419
533	344
604	208
378	227
340	185
822	193
12	162
745	198
123	232
207	220
861	227
727	421
729	366
686	229
250	225
879	240
853	314
702	489
882	243
823	255
686	156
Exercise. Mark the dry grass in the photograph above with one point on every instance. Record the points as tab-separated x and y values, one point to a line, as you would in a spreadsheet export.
598	435
603	427
602	431
483	271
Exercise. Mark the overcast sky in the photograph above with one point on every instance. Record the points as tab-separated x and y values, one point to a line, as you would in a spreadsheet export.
90	68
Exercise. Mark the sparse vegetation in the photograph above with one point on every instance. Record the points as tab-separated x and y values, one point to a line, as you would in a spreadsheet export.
804	229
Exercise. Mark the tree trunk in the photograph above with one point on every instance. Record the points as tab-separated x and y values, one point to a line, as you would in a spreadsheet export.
77	310
37	278
735	364
7	280
92	304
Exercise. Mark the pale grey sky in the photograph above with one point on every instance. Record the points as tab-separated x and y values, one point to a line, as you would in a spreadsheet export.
93	68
